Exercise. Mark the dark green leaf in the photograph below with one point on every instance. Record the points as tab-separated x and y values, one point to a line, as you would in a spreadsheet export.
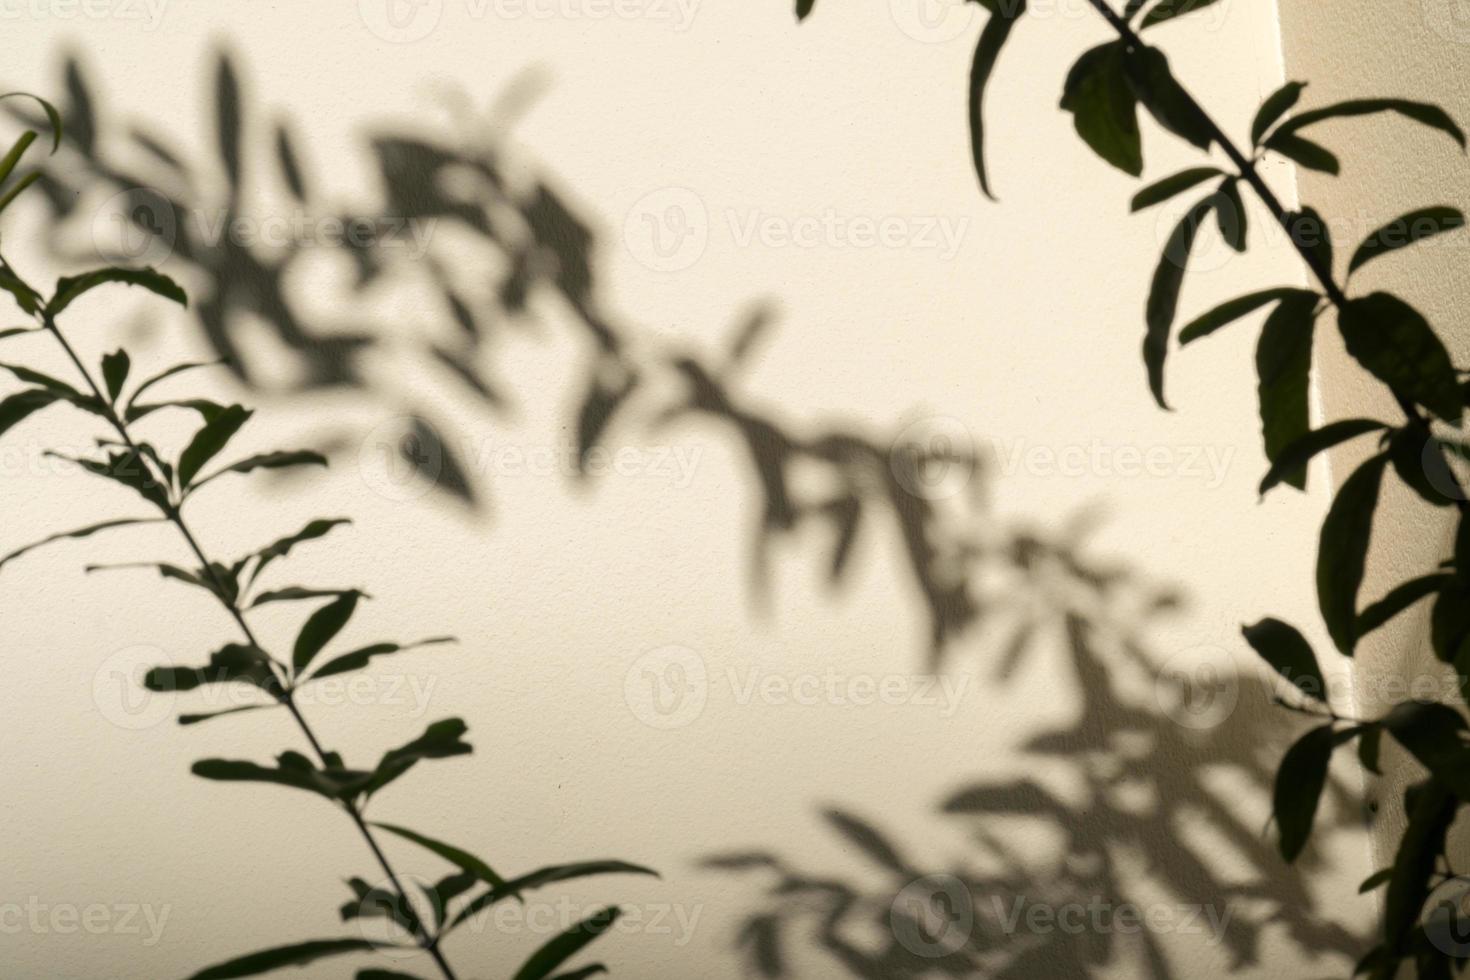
1376	880
297	594
162	568
115	368
52	115
54	385
1298	453
1104	108
17	150
1434	734
1405	231
1163	295
358	659
290	168
25	297
227	119
461	859
1343	551
1304	152
22	405
1169	9
1289	654
321	627
208	410
1399	599
1283	368
548	876
1003	17
1299	784
1414	450
1230	216
280	549
84	532
209	441
129	469
1395	343
169	373
446	890
1422	112
1276	106
1311	234
298	954
1449	624
1368	745
804	8
9	332
1233	310
1431	812
379	903
294	770
233	662
269	461
567	945
1167	188
441	740
196	719
1155	87
70	288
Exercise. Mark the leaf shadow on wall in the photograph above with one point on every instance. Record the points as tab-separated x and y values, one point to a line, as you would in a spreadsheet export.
1136	839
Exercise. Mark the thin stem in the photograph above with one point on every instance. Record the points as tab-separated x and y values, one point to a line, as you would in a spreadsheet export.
1318	265
423	937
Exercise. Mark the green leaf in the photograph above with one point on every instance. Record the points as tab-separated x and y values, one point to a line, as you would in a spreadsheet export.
162	568
281	459
297	594
1343	551
1304	152
1299	784
1163	295
379	903
9	332
169	373
1376	880
1430	815
1277	105
115	368
290	169
297	954
1230	216
1311	234
441	740
25	297
228	119
1104	108
1283	369
207	409
1295	455
17	150
358	659
446	890
1289	654
804	8
1395	343
209	441
1434	734
1173	108
1449	625
1163	190
52	115
206	716
72	287
1166	10
22	405
461	859
18	188
1003	17
127	468
280	549
547	876
1405	231
1369	743
1422	112
321	627
567	945
84	532
1399	599
54	385
233	662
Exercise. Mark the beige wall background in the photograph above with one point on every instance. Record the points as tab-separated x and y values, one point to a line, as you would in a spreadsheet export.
1021	330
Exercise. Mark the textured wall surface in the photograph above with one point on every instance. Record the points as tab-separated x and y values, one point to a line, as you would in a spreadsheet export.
1020	332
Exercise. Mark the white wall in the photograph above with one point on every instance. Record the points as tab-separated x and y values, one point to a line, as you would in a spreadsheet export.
1028	331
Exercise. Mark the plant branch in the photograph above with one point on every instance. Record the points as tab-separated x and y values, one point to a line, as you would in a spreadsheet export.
284	693
1320	269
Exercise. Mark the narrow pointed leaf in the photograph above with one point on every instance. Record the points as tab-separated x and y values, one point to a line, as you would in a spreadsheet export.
1399	599
52	115
1166	10
1283	369
1163	190
461	859
209	715
208	410
1300	451
209	441
1003	17
547	876
358	659
228	119
1289	654
1277	105
804	8
17	150
115	368
1421	112
1396	344
297	954
233	662
22	405
290	167
296	593
169	373
1230	216
280	549
69	289
1343	551
1405	231
1430	815
567	945
1157	90
1304	152
1299	784
1163	296
281	459
441	740
1104	109
1418	459
84	532
320	628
